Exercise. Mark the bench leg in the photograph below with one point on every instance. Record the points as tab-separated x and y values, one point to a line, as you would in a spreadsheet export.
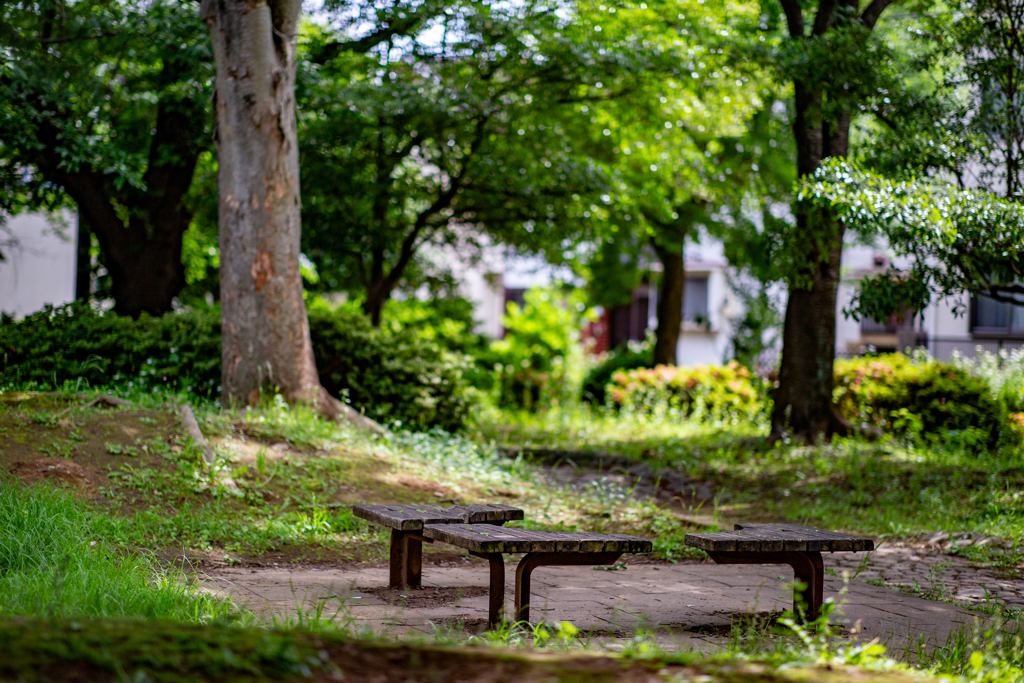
533	560
496	592
406	568
808	569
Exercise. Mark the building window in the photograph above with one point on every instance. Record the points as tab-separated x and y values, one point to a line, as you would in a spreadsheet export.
989	316
695	299
514	295
872	326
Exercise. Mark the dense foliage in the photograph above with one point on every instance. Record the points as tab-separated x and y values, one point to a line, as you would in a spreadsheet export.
958	240
394	375
627	357
926	398
106	104
78	346
539	362
722	391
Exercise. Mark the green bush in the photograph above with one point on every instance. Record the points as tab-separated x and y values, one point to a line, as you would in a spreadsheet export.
540	361
720	390
77	345
927	397
392	376
629	356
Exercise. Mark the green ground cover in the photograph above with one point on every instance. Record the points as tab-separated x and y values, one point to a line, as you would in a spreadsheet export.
892	488
118	651
138	489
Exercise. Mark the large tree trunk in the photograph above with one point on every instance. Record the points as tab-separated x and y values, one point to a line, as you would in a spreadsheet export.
803	402
83	261
265	332
670	303
376	296
149	273
144	256
266	344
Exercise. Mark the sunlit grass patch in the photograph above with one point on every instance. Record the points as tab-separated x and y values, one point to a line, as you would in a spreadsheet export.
53	564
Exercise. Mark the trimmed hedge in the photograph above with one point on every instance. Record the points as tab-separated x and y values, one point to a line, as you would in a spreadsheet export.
392	376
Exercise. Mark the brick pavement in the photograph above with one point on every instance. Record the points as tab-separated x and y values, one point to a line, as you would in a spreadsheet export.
937	575
689	605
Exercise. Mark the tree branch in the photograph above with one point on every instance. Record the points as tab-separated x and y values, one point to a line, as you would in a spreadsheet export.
873	11
794	17
395	27
71	39
826	8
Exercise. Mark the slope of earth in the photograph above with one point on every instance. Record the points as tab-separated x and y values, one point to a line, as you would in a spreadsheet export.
119	651
152	490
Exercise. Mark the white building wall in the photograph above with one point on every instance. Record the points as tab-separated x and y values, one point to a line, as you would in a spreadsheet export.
41	269
708	345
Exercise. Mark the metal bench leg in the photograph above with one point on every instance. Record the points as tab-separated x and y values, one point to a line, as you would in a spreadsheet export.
808	569
496	592
533	560
406	559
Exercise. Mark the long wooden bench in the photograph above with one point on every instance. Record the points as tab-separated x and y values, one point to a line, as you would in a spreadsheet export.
406	524
798	546
542	548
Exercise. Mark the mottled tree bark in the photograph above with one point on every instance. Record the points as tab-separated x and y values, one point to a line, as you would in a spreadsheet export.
803	401
83	261
266	343
670	302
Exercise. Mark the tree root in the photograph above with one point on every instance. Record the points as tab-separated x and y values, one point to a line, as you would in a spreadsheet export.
188	420
333	409
102	399
837	426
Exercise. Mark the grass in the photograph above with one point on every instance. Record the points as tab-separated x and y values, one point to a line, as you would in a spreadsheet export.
166	652
146	497
52	565
891	489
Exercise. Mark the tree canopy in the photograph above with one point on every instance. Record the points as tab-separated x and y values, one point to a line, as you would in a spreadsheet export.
105	103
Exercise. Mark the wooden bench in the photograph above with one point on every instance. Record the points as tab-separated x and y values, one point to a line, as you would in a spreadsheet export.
542	548
406	524
798	546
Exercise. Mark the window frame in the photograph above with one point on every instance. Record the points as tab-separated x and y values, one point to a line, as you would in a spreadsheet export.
987	332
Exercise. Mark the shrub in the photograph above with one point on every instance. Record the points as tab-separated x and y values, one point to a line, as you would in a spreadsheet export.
720	390
629	356
392	376
78	345
540	360
896	393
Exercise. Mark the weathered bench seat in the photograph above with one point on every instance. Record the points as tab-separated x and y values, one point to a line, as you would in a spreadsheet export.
541	548
406	523
798	546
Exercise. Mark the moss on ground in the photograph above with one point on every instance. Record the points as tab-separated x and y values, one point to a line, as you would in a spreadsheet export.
35	651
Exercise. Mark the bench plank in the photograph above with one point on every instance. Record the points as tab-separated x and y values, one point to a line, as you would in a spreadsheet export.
763	538
487	539
413	517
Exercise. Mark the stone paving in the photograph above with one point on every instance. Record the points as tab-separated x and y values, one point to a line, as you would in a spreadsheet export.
691	605
935	575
